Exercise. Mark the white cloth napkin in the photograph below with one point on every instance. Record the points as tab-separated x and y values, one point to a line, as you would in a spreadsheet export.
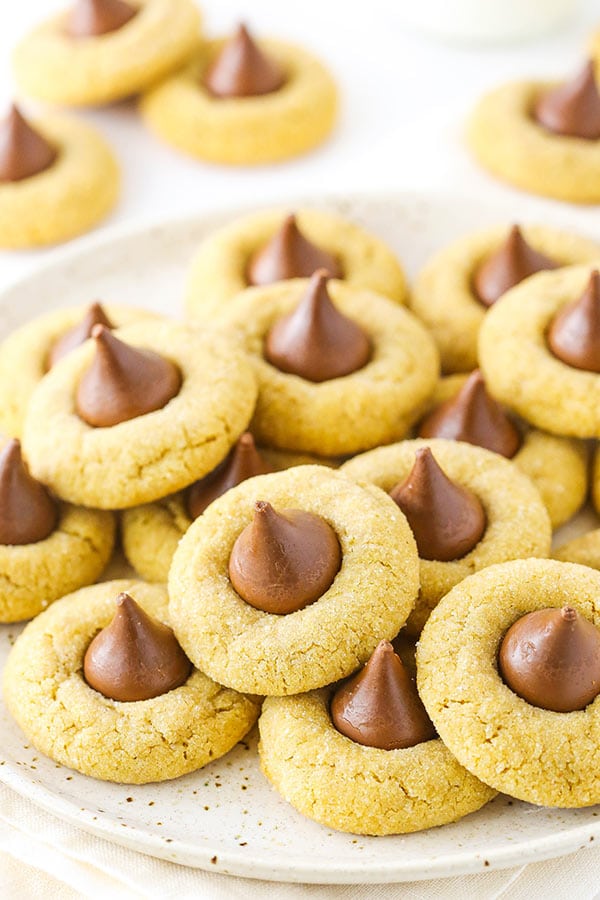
41	856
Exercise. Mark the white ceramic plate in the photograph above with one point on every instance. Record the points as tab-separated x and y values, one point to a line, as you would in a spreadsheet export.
226	817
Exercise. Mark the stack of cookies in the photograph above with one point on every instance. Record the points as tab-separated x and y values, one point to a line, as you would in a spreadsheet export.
338	497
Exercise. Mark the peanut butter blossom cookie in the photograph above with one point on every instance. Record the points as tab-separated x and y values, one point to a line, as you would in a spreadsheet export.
99	51
584	550
364	757
541	137
58	178
508	667
46	548
467	508
30	351
135	414
339	369
266	247
454	291
540	351
243	102
288	581
463	410
103	667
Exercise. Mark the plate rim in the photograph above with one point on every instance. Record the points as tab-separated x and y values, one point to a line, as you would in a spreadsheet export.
298	870
61	255
265	865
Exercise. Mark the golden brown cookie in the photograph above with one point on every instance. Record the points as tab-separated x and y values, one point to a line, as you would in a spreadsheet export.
595	486
507	140
517	523
128	742
375	404
220	268
370	598
46	548
351	787
245	130
151	455
558	466
584	550
24	356
150	534
444	298
54	66
34	575
65	199
535	754
519	367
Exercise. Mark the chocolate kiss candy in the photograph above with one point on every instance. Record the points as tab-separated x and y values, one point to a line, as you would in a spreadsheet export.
574	335
123	382
243	462
475	417
289	255
316	341
380	706
551	658
512	262
135	657
242	69
23	151
75	336
91	18
27	511
282	561
573	109
446	519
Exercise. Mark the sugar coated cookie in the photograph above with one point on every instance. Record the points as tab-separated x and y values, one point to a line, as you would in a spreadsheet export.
292	116
370	597
522	747
131	742
54	64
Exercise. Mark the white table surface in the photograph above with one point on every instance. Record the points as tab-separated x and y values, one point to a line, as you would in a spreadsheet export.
403	97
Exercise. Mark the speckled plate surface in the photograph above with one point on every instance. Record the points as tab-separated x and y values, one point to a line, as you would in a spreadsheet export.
226	818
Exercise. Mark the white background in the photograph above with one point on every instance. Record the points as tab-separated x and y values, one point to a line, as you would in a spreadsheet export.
404	96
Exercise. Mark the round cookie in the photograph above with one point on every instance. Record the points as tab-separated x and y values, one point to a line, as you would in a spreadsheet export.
245	130
67	198
373	405
507	140
54	67
518	366
150	533
219	269
128	742
369	599
534	754
517	522
351	787
584	550
34	575
558	466
24	356
596	480
443	296
151	455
